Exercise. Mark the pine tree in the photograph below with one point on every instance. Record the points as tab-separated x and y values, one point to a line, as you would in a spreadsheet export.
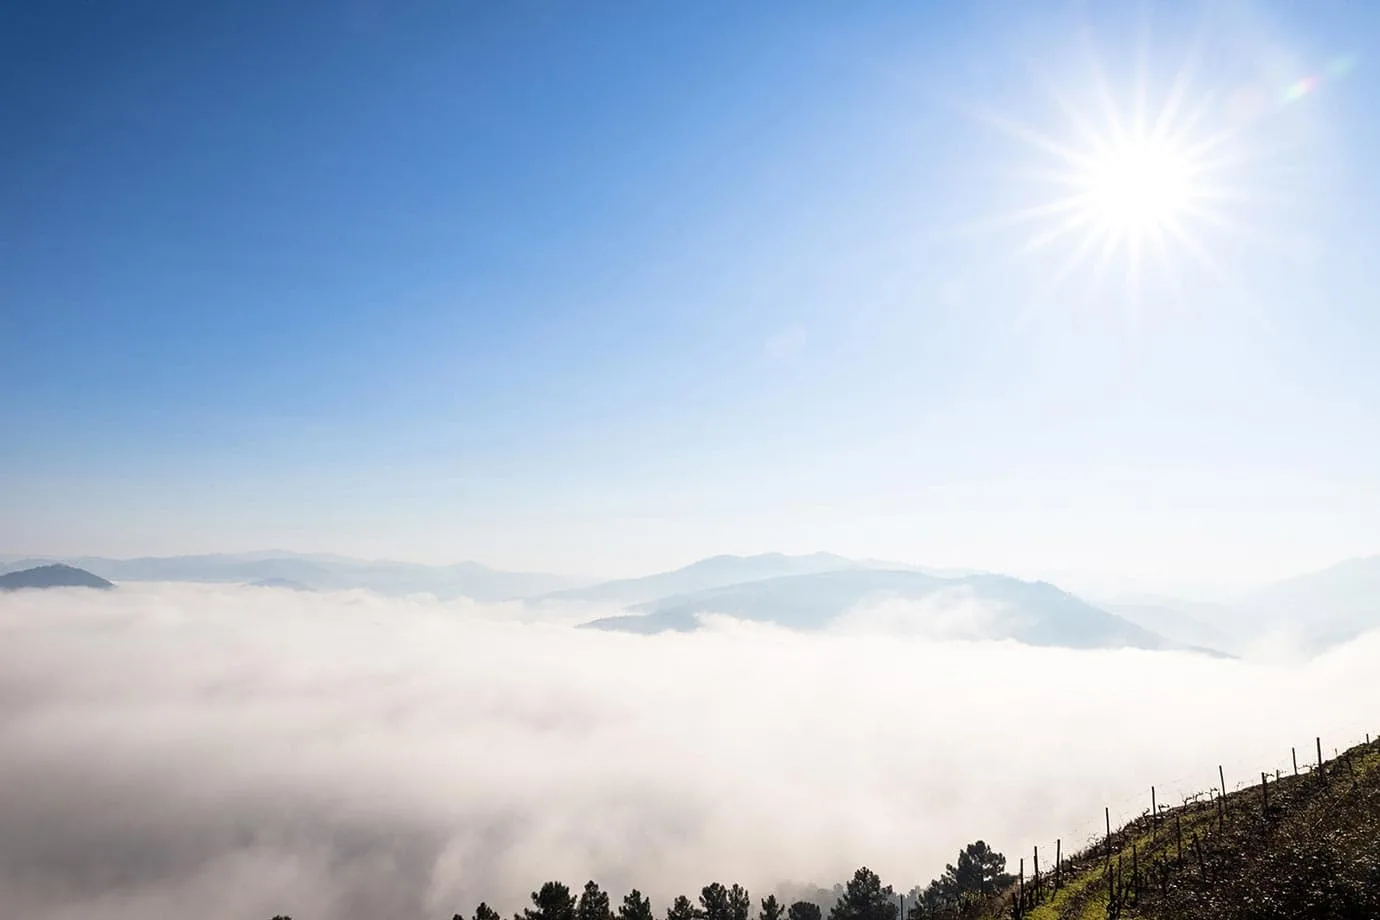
552	902
739	903
864	898
593	904
682	909
980	871
803	910
635	907
772	909
714	902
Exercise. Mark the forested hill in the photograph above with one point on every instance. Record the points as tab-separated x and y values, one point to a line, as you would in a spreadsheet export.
52	576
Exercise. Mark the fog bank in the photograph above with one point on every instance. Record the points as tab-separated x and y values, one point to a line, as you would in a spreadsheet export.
227	752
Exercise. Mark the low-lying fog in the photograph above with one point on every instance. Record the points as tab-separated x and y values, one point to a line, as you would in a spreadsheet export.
218	752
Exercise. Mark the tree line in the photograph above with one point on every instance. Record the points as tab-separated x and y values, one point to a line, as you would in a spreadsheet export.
978	875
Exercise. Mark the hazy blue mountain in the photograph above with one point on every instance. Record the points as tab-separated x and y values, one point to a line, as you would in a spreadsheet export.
714	572
890	566
1187	622
56	575
331	573
975	606
19	563
1319	609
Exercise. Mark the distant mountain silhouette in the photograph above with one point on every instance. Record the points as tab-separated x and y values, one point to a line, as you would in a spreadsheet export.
52	576
1188	622
714	572
971	607
1317	610
329	573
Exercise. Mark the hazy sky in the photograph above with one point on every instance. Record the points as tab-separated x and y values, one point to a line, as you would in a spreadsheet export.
606	287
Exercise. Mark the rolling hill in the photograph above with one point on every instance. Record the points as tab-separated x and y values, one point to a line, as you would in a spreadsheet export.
52	576
723	571
1187	622
714	572
326	573
972	607
1319	609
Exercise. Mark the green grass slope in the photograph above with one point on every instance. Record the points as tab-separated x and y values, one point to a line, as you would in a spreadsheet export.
1305	846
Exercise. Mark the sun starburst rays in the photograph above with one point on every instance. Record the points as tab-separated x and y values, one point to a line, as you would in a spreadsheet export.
1133	185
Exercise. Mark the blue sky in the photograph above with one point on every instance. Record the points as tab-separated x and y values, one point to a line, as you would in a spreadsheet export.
608	287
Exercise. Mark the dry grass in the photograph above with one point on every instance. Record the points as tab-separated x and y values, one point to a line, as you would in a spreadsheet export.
1314	855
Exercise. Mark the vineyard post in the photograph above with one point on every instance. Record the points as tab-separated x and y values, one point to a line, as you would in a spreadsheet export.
1058	863
1265	792
1320	762
1037	875
1022	888
1154	810
1221	798
1107	813
1295	753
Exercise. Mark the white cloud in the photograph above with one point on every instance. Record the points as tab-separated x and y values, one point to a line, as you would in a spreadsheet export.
230	752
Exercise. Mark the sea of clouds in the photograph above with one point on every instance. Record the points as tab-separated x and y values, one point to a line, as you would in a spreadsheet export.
226	752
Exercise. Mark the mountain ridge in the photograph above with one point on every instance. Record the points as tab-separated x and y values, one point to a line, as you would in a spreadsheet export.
53	575
324	572
972	607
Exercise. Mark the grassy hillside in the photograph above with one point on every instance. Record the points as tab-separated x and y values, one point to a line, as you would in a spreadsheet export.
1305	846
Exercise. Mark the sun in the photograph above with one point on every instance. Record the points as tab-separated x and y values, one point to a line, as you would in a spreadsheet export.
1139	186
1125	185
1142	195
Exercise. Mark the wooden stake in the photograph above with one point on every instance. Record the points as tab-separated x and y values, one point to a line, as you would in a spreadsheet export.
1295	753
1058	864
1037	874
1265	792
1320	762
1154	809
1022	888
1107	813
1223	778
